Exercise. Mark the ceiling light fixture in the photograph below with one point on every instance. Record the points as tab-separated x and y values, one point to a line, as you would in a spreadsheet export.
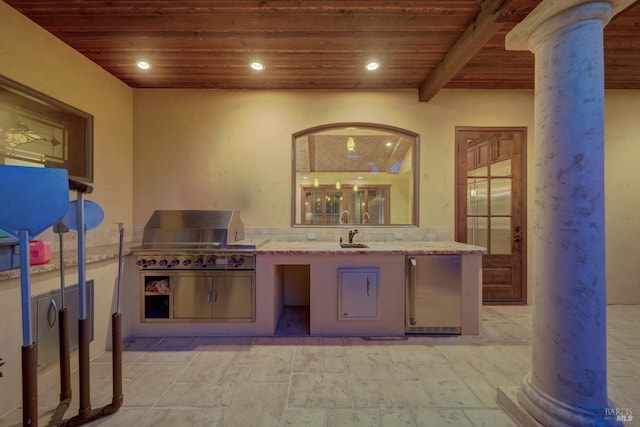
143	65
351	144
372	65
258	66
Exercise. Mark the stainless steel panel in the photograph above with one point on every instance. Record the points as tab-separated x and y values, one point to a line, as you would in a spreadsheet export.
433	294
358	293
45	321
213	296
192	228
192	296
232	297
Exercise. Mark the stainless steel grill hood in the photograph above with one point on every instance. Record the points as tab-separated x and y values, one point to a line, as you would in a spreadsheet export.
193	229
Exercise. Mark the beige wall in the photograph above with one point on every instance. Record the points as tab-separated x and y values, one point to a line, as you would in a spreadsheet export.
36	59
208	149
231	149
622	190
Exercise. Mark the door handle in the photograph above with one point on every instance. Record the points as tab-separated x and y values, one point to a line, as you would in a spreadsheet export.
214	296
412	291
517	238
51	313
367	285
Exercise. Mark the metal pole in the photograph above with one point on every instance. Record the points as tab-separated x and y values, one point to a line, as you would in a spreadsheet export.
59	229
120	261
25	287
82	303
29	348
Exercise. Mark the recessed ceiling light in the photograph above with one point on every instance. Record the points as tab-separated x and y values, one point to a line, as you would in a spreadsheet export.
258	66
143	65
389	143
373	65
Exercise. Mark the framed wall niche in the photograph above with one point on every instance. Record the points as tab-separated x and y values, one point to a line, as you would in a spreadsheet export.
37	130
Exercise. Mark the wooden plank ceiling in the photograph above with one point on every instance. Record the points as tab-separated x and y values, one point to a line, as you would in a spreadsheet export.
316	44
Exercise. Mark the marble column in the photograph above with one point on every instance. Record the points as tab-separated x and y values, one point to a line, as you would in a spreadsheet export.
567	384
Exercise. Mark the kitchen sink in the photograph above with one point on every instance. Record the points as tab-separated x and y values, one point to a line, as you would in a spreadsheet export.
353	245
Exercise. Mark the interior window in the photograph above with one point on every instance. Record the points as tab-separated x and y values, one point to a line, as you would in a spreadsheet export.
354	173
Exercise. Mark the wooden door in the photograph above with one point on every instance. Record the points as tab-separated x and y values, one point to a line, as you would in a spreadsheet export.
491	207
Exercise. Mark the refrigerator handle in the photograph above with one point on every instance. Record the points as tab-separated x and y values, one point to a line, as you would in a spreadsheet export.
412	291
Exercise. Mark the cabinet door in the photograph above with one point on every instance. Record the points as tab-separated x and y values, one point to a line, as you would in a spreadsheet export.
45	320
192	297
232	297
358	293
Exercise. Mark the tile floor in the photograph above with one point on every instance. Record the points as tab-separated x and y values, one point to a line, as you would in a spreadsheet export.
297	380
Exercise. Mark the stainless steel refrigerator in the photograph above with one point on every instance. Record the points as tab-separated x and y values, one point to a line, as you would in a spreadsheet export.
433	294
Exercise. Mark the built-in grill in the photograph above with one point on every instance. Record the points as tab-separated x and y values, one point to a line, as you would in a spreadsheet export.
196	266
195	239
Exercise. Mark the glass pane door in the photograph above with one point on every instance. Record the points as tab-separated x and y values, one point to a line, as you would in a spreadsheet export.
313	205
333	201
489	182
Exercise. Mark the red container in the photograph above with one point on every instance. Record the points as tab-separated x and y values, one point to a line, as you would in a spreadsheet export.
39	252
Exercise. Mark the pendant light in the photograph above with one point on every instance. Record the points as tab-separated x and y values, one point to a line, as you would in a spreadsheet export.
337	185
351	143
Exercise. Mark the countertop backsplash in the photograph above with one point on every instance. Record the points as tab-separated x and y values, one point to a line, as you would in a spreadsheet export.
365	234
333	234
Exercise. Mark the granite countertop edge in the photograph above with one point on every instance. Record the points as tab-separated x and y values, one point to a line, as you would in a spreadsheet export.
92	255
374	248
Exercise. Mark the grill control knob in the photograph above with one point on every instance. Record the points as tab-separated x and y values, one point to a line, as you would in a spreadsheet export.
186	262
151	262
239	262
211	262
232	262
163	262
174	262
198	262
141	262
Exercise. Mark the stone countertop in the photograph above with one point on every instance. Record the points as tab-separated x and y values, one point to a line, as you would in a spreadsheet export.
311	247
95	254
374	248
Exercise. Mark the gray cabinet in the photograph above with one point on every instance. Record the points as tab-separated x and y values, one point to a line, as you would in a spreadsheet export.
358	293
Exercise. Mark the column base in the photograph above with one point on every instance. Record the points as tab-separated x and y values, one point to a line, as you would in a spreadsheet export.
532	408
508	402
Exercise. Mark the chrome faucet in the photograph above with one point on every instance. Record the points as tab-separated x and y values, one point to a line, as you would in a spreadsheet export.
352	234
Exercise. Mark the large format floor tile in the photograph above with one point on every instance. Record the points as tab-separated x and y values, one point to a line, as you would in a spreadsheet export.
297	380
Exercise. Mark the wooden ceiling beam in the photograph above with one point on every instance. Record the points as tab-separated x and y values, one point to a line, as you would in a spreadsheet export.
494	14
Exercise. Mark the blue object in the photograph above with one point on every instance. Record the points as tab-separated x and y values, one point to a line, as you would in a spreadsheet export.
33	200
93	215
